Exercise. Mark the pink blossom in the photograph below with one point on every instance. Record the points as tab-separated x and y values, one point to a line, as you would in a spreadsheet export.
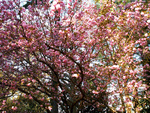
22	80
124	77
148	21
95	92
136	85
58	7
37	92
75	75
114	67
42	99
55	2
14	107
4	102
131	72
137	9
24	24
133	82
30	97
51	13
114	77
146	35
33	80
29	79
20	42
50	108
29	84
143	43
120	90
52	8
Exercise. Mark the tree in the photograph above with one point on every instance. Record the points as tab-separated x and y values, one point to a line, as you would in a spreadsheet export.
21	104
81	62
141	54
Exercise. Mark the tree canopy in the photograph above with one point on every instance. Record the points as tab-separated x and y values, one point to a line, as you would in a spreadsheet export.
71	56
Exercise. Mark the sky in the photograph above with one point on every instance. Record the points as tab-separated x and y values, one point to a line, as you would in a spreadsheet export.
23	2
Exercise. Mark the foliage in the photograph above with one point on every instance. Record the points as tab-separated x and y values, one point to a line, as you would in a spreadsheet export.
22	105
73	57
